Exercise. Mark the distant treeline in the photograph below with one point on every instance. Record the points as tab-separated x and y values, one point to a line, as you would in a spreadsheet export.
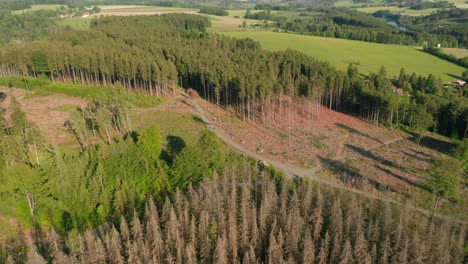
351	24
213	11
420	5
154	53
25	27
449	23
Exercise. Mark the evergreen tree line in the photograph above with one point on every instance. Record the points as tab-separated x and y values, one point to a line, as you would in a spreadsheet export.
355	25
24	27
213	11
152	54
445	22
246	216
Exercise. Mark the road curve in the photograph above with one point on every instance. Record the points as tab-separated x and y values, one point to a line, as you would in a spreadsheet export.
295	171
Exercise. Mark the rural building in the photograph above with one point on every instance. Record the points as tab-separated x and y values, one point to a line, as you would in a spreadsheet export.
460	83
398	90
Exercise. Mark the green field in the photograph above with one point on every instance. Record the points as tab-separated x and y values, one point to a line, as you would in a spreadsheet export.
241	12
459	53
38	7
351	4
138	10
370	56
398	10
231	24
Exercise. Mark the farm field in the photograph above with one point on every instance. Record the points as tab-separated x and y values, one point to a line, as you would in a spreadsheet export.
219	23
38	7
241	12
398	10
369	56
350	3
459	53
230	24
126	10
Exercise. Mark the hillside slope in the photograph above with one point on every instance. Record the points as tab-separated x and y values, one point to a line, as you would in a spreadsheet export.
369	56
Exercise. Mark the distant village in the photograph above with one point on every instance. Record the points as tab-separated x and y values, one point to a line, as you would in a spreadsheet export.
81	11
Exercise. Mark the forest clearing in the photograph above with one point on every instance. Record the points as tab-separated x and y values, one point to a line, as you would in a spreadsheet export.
327	143
128	135
342	149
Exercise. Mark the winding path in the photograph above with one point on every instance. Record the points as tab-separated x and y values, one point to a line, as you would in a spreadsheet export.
295	171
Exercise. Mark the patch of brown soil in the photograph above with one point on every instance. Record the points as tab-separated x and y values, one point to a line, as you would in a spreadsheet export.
307	141
354	151
49	113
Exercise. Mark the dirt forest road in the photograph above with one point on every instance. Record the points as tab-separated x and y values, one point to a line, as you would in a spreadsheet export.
289	169
294	171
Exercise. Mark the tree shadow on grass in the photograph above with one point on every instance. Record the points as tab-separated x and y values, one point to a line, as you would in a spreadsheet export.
441	146
425	157
357	132
352	176
371	155
133	135
453	76
175	145
2	96
408	181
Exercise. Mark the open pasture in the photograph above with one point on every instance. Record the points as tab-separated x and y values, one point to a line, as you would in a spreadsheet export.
398	10
38	7
369	56
241	12
129	10
459	53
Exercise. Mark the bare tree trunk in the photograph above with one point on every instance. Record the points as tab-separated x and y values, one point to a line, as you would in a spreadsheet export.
37	156
31	204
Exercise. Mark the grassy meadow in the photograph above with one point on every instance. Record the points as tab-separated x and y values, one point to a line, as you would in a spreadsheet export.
370	56
139	8
398	10
459	53
241	12
38	7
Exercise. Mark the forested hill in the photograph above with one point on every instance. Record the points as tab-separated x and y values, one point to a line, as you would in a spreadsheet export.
153	53
245	216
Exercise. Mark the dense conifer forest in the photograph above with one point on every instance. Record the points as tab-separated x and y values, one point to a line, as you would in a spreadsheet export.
152	54
351	24
120	196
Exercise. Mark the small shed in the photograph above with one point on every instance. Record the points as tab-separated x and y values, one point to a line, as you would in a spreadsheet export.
397	90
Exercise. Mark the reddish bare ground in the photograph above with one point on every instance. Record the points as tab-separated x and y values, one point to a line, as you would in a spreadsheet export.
309	139
362	155
49	113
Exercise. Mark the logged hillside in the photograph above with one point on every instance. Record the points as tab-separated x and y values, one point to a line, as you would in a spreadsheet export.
138	181
155	53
